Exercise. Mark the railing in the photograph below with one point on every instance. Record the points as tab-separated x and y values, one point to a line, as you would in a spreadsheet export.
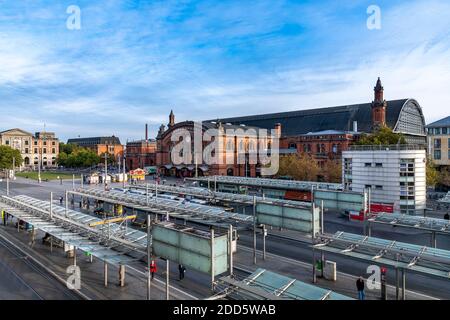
394	147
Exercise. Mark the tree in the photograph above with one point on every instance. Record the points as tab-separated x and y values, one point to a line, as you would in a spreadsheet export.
7	154
332	171
74	156
444	177
302	168
383	136
432	174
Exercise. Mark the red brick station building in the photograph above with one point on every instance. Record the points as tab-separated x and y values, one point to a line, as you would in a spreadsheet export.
322	133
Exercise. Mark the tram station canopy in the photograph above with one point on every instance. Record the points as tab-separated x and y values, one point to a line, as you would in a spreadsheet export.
420	259
266	285
416	222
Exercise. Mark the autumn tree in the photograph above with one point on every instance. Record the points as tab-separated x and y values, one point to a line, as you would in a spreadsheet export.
302	167
432	174
332	171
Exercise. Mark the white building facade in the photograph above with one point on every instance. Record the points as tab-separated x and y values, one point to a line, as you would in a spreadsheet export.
395	175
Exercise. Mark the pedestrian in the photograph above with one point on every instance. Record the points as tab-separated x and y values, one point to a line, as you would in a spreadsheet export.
61	200
447	216
182	270
360	285
153	268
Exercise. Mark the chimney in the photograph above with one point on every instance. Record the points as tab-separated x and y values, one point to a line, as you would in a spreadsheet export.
278	129
355	126
146	132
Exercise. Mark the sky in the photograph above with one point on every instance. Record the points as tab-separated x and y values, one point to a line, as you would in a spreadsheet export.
132	61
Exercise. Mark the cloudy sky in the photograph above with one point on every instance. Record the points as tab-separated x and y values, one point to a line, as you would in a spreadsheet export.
133	61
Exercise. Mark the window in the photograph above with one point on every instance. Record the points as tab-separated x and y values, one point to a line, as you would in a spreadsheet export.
437	154
367	164
35	142
437	143
379	165
444	130
35	150
379	187
26	142
7	142
449	143
407	167
368	186
53	150
45	150
292	145
53	143
26	150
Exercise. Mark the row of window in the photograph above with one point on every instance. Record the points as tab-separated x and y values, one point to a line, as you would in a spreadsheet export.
438	155
377	164
438	143
437	131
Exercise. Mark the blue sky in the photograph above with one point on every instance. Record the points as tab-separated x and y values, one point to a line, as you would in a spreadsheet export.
133	61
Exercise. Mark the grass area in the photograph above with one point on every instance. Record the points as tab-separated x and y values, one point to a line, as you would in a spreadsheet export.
44	175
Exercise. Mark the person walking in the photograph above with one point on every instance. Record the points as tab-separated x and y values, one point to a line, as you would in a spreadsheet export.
182	270
360	285
447	216
61	200
153	268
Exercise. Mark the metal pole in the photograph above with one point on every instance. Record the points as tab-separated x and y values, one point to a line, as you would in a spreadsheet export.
7	182
322	230
106	169
433	240
105	273
212	259
51	205
314	265
123	168
75	256
167	280
254	229
230	248
67	204
149	256
397	284
264	242
403	284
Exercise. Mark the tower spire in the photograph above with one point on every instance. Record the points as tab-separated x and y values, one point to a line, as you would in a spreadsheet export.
379	106
171	119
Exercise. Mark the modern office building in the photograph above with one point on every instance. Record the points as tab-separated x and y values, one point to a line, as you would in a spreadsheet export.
439	142
395	175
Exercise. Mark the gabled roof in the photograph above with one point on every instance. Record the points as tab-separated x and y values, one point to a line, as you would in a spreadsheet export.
440	123
313	120
95	140
16	129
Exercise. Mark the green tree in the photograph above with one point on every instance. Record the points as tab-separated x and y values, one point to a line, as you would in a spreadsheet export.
7	154
383	136
73	156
